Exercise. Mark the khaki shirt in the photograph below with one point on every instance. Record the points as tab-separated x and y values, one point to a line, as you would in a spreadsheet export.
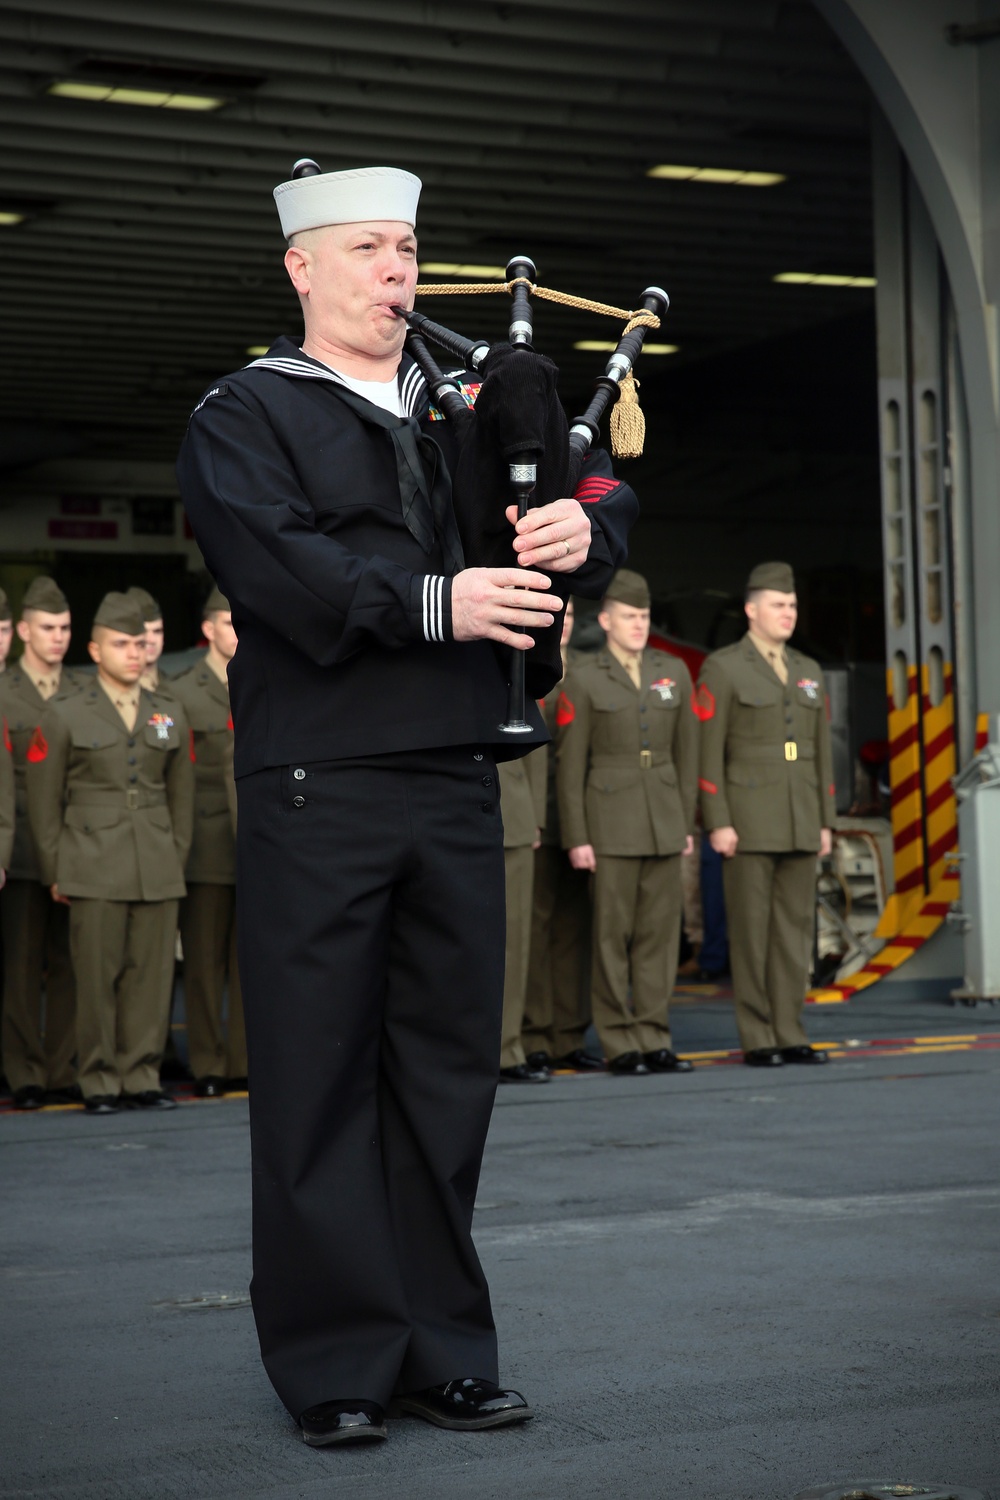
205	698
22	707
111	809
777	799
627	767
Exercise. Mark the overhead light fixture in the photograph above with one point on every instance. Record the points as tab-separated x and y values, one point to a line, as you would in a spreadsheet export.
608	346
810	278
729	176
455	268
110	93
258	350
8	217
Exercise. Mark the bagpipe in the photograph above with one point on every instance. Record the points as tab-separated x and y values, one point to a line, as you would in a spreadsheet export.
516	445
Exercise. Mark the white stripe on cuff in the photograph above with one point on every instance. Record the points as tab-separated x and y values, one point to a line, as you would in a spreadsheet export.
433	596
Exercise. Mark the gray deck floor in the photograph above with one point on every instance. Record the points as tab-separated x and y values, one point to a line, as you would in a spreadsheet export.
726	1286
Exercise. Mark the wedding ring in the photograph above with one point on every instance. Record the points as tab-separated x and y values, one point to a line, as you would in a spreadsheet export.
568	548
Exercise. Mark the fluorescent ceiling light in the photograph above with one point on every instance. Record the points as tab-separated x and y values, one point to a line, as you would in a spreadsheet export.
731	176
257	350
454	268
608	346
7	217
108	93
810	278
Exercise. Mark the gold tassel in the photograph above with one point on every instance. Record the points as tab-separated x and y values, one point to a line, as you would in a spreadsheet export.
628	424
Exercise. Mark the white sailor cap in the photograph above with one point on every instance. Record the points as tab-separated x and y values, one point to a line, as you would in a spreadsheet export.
312	202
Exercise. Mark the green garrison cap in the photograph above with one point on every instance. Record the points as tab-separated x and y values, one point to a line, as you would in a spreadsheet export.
772	575
216	600
146	603
45	594
628	588
121	612
5	613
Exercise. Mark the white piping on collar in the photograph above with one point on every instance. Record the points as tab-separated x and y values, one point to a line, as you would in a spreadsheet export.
412	390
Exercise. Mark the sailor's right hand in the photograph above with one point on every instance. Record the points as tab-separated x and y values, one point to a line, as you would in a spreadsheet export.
487	603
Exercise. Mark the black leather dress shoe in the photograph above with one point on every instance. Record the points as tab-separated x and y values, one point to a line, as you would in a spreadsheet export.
467	1405
804	1055
209	1087
30	1097
630	1063
665	1061
149	1099
580	1061
102	1104
343	1422
539	1062
521	1073
763	1057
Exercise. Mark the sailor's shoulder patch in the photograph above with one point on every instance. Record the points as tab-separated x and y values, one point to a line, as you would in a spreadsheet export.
222	389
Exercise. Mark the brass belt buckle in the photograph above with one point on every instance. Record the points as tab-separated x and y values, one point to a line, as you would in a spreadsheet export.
791	750
132	798
645	759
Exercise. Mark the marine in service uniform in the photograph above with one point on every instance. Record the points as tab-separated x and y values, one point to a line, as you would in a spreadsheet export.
153	679
627	777
217	1052
39	1036
557	1001
767	803
522	798
110	796
367	694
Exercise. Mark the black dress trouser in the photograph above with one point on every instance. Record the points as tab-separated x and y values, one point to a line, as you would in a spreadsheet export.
371	934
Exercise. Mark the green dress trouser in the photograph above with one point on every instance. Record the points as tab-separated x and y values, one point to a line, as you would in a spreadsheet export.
39	1042
637	933
208	937
770	904
557	1007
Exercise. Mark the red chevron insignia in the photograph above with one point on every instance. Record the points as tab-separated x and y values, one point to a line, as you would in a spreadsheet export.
594	488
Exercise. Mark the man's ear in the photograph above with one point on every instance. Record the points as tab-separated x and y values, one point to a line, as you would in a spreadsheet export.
22	630
95	652
298	264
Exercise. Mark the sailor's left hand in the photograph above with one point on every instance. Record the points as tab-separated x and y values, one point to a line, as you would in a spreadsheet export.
555	537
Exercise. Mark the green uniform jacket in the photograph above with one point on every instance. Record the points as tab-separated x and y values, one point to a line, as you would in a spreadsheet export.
522	798
212	860
111	809
22	706
627	760
747	781
6	803
548	706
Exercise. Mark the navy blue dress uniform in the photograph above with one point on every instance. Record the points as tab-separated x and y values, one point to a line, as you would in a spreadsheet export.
370	887
39	1036
766	769
111	810
216	1043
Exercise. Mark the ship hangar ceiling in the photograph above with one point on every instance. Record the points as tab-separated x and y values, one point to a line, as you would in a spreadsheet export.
140	256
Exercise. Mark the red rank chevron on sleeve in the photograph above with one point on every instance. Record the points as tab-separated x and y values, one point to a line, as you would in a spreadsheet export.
6	736
708	786
191	745
703	702
594	487
565	711
38	748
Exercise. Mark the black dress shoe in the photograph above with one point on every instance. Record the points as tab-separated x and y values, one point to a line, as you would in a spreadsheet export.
209	1087
763	1057
539	1062
629	1063
343	1422
521	1073
804	1055
30	1097
665	1061
580	1061
102	1104
467	1405
149	1099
